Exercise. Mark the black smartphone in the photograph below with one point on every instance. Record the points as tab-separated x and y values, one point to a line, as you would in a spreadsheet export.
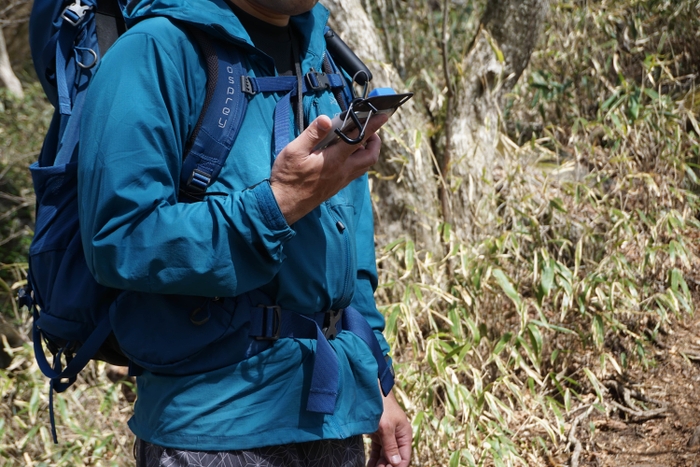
380	103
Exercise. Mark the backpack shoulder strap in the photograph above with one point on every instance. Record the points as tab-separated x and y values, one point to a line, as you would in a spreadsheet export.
226	101
222	114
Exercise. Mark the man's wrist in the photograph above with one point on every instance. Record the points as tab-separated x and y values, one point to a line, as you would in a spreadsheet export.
288	206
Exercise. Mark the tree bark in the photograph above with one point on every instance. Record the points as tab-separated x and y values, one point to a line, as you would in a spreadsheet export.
411	199
499	53
7	76
404	187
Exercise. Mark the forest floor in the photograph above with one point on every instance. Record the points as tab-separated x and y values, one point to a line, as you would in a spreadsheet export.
656	420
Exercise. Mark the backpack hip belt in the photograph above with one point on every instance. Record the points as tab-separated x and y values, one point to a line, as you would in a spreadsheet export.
269	323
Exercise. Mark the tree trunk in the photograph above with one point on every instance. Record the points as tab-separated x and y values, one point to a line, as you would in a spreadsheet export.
405	187
7	76
499	53
409	196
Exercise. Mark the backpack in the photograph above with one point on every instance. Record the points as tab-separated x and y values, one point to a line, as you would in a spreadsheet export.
70	309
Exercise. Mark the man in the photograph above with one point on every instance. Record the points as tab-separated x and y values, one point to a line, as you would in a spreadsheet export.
287	229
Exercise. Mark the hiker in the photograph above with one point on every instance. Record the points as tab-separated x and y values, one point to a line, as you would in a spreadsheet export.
279	246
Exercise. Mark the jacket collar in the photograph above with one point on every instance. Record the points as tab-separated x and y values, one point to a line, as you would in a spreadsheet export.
216	17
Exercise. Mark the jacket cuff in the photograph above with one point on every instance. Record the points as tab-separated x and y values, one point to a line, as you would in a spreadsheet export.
272	215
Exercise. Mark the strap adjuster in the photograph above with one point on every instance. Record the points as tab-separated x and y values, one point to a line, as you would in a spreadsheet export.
247	85
75	12
271	322
199	181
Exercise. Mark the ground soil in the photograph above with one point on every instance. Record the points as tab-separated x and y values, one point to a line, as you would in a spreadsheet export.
663	427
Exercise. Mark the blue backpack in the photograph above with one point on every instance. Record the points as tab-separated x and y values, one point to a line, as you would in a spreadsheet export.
70	309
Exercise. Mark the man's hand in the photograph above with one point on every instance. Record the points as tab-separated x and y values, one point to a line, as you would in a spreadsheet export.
391	444
301	179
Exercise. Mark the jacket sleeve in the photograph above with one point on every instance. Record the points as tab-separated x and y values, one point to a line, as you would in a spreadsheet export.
139	110
366	281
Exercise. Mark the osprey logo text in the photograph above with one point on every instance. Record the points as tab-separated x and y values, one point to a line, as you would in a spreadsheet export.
226	110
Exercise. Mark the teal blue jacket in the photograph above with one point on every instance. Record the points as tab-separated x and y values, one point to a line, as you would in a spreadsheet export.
168	255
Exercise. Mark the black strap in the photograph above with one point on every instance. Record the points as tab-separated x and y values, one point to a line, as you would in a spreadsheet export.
338	93
297	71
109	23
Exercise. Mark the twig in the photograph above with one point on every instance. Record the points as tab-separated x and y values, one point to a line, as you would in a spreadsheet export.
450	95
639	415
573	440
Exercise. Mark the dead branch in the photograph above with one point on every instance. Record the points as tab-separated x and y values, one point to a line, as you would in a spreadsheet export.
573	440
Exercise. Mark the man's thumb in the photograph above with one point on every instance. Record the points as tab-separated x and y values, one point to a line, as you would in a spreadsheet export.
315	132
391	449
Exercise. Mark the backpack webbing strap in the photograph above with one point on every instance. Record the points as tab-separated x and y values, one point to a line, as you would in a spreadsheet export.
354	322
269	323
62	378
73	23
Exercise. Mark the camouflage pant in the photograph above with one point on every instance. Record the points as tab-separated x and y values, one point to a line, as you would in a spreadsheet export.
326	453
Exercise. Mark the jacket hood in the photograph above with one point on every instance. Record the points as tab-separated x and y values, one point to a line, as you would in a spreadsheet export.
217	18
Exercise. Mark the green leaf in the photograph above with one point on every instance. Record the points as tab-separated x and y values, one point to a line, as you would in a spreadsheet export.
394	244
558	204
505	339
634	106
598	330
419	138
676	279
547	277
410	255
594	382
474	330
651	93
507	287
446	230
608	103
497	50
455	458
535	339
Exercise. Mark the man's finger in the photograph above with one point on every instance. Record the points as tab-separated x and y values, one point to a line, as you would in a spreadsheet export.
404	436
313	134
391	448
374	453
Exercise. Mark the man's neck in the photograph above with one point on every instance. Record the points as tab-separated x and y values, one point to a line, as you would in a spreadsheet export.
262	13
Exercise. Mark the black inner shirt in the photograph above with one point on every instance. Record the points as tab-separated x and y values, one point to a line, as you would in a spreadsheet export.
275	41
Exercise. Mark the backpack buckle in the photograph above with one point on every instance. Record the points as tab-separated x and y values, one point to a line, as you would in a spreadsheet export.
330	328
318	81
271	322
75	12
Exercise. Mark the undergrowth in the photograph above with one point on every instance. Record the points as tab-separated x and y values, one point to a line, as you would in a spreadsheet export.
91	417
595	251
23	123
